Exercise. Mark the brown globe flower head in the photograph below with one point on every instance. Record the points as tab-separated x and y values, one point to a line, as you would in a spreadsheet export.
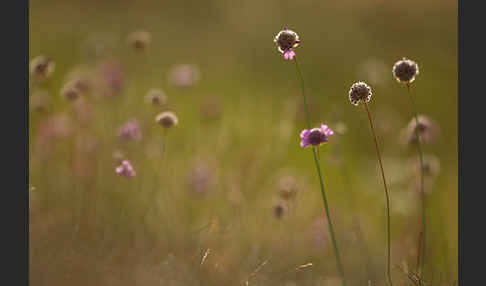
139	40
167	119
405	70
41	67
431	166
360	92
70	91
286	41
427	129
279	210
287	187
156	96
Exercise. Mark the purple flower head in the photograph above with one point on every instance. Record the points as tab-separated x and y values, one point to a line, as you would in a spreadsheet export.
125	169
315	136
286	41
130	131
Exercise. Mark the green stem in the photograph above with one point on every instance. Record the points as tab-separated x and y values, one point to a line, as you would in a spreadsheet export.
307	112
421	246
321	182
386	192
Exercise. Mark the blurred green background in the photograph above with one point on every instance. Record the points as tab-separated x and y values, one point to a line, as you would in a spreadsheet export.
203	213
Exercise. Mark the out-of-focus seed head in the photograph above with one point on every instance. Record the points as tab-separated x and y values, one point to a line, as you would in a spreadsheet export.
41	68
139	40
431	166
130	131
156	96
427	128
39	100
287	40
70	91
81	78
360	92
125	169
167	119
279	210
287	187
405	70
184	75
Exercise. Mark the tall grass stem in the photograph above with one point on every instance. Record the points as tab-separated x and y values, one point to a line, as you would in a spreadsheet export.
386	193
321	181
421	246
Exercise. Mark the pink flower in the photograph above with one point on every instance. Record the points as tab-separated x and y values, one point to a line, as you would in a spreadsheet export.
288	55
130	131
125	169
315	136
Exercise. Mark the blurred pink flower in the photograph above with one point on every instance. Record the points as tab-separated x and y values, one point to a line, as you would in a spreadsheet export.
125	169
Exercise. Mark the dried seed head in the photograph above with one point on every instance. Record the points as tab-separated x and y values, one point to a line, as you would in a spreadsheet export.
287	40
405	70
156	96
82	78
70	91
427	129
41	68
431	166
139	40
167	119
287	187
279	210
360	92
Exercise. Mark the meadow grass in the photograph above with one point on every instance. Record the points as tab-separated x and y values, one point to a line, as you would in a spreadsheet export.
215	190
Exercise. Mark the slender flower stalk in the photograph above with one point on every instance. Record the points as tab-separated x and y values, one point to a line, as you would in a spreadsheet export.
421	246
405	71
286	41
321	182
360	92
386	193
167	120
